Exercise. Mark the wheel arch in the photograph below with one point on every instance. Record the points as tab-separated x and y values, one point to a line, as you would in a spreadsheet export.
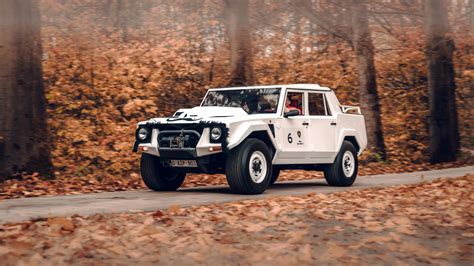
259	131
263	136
353	137
353	140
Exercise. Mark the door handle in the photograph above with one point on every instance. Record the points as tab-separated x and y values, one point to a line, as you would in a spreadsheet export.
333	123
305	124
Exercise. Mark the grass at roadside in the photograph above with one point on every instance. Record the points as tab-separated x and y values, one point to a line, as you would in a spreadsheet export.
426	223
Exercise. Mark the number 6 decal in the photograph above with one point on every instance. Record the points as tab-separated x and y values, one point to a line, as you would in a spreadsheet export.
290	139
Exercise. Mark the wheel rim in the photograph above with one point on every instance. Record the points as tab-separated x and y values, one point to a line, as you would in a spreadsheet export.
257	167
348	164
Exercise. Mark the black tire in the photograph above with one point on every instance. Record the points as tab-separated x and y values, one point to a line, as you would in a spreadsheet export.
158	177
237	168
334	173
275	174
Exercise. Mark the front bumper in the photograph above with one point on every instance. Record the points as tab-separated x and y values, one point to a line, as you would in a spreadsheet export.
161	142
178	153
211	164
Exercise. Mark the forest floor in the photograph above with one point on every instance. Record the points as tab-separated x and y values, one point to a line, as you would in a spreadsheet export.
34	185
431	222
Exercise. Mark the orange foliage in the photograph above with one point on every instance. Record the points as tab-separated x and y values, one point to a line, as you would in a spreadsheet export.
99	85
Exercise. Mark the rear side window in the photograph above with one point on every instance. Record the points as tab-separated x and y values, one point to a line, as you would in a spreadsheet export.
317	104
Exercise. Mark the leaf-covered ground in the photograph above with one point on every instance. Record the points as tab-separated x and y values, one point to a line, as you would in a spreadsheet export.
417	224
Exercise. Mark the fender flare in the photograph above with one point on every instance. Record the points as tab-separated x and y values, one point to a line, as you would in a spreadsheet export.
244	130
349	133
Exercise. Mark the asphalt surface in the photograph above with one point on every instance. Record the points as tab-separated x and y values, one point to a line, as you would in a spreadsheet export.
15	210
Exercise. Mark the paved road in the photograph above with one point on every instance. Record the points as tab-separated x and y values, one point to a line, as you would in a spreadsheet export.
15	210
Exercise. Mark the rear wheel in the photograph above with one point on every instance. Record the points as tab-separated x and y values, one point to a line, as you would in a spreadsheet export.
249	167
157	177
343	172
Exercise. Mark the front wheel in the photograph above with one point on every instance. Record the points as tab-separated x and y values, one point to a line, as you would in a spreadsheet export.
157	177
275	174
249	167
343	172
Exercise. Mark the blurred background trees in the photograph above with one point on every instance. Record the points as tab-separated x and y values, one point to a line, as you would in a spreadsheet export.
24	142
369	99
443	119
108	64
240	42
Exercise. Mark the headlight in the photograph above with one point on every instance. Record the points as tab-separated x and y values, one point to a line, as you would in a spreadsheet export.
216	133
143	133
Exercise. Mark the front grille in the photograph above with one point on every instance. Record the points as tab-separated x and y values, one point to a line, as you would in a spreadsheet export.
194	126
178	138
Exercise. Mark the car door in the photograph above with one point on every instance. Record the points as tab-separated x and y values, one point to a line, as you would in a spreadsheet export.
293	135
322	129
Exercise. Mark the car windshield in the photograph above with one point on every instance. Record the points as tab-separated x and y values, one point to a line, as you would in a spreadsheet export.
253	101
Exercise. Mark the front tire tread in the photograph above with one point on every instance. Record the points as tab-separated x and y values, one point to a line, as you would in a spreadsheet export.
158	178
236	167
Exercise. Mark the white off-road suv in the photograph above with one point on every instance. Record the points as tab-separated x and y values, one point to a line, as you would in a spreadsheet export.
250	134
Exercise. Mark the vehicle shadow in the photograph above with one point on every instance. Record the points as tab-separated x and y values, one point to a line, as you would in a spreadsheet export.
275	187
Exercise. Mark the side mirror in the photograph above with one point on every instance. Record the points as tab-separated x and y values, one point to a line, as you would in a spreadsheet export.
291	113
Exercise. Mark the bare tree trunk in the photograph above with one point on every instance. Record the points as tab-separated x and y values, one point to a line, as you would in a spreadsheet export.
470	7
122	17
241	57
23	129
369	99
297	31
443	120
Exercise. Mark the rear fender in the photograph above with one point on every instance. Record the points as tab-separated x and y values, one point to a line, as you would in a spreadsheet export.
351	133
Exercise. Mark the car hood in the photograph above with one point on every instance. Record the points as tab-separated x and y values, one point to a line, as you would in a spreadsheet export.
209	112
198	114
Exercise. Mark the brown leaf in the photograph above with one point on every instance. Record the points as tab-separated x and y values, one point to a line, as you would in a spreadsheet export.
65	224
253	227
158	214
20	245
174	208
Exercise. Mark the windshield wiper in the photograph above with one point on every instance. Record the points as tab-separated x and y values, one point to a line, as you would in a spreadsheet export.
172	119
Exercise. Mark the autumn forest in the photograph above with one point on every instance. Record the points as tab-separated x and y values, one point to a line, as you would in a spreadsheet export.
78	76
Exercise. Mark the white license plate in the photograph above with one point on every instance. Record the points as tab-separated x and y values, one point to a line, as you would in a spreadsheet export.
183	163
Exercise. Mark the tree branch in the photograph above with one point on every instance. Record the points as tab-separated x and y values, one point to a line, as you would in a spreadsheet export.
305	9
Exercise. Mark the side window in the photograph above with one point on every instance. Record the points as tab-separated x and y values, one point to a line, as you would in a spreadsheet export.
316	104
294	101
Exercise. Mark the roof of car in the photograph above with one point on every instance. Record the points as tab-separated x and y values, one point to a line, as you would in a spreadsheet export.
288	86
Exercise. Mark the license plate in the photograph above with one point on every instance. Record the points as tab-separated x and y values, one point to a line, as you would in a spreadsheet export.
183	163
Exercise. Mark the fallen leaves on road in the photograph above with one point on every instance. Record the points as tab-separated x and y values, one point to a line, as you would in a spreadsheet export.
410	224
